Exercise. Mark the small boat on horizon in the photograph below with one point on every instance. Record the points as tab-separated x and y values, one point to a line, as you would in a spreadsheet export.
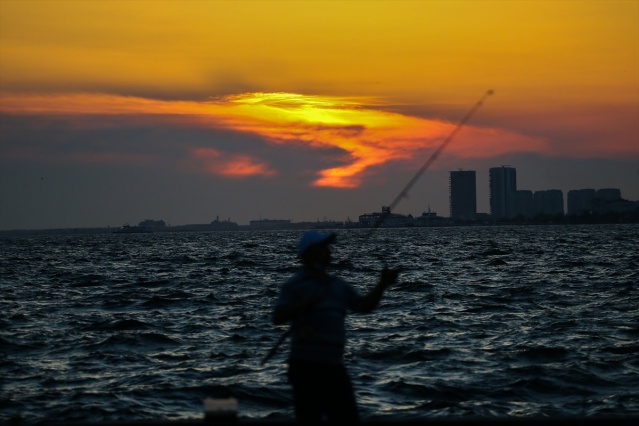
127	229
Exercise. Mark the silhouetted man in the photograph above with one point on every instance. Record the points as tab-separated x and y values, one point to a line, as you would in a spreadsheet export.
316	303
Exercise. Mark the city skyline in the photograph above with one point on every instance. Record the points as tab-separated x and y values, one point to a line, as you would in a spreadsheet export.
481	198
112	112
548	202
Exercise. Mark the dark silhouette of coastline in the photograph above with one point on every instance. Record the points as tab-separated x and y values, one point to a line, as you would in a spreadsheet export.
586	218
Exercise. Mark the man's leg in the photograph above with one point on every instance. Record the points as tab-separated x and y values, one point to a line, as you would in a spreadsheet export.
306	392
340	403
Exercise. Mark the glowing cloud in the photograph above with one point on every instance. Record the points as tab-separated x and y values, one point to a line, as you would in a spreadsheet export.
365	134
234	166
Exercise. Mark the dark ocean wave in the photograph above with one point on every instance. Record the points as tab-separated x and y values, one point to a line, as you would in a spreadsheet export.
495	321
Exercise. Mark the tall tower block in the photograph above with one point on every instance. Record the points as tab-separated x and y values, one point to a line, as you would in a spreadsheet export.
463	195
503	189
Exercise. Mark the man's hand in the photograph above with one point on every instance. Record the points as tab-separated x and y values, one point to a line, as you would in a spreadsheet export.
371	300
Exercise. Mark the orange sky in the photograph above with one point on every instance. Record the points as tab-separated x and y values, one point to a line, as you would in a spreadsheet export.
368	136
534	54
380	82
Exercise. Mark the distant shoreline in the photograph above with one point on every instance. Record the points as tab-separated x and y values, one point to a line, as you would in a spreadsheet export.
313	225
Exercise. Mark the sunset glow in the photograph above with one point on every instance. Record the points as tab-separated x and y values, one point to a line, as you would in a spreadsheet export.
236	166
321	94
367	136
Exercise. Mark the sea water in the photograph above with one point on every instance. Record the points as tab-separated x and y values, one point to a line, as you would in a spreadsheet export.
484	321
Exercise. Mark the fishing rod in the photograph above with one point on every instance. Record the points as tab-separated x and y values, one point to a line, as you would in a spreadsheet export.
403	194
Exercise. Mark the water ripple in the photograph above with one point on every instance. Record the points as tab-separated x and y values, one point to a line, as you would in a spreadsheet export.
485	321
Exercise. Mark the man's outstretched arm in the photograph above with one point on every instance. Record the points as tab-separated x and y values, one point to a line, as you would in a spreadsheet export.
372	299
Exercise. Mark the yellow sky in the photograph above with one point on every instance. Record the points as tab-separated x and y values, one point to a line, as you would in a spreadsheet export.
568	67
407	50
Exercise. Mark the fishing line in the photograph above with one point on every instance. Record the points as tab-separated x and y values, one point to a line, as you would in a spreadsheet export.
403	194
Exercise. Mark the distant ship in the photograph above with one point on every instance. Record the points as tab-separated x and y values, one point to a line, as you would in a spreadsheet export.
126	229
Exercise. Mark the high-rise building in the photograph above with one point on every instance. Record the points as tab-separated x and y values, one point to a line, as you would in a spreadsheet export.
607	200
463	195
524	204
549	202
580	200
609	194
593	201
503	187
